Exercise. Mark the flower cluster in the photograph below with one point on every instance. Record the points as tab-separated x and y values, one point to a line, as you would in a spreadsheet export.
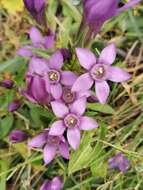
65	93
49	85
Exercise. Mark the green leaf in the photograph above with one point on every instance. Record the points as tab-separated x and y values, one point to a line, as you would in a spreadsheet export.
5	126
80	158
11	65
41	111
35	117
86	155
21	148
70	10
3	168
99	168
104	108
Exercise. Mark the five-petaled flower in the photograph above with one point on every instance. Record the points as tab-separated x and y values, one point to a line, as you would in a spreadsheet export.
68	97
119	161
51	145
51	71
38	41
71	119
54	184
98	71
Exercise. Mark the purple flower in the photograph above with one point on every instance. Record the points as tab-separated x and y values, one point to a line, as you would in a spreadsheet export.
68	97
71	119
36	9
54	184
51	71
17	136
51	145
7	83
13	106
98	71
96	12
36	90
119	161
38	41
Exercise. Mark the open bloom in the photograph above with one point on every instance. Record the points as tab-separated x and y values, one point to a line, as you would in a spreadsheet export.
71	119
36	9
54	184
51	145
119	161
38	41
36	90
17	136
52	73
96	12
68	97
98	71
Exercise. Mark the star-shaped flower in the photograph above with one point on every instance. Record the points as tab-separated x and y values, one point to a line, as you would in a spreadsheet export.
99	71
72	120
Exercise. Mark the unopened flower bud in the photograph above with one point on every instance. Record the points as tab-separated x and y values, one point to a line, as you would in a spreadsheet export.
13	106
7	83
36	9
17	136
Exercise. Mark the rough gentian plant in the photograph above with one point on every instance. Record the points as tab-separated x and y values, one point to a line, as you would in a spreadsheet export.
78	121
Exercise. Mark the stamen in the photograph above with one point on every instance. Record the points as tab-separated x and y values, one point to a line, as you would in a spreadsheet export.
99	72
68	96
53	76
71	120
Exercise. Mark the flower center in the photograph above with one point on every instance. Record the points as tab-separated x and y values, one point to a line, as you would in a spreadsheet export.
68	96
98	72
54	76
71	120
